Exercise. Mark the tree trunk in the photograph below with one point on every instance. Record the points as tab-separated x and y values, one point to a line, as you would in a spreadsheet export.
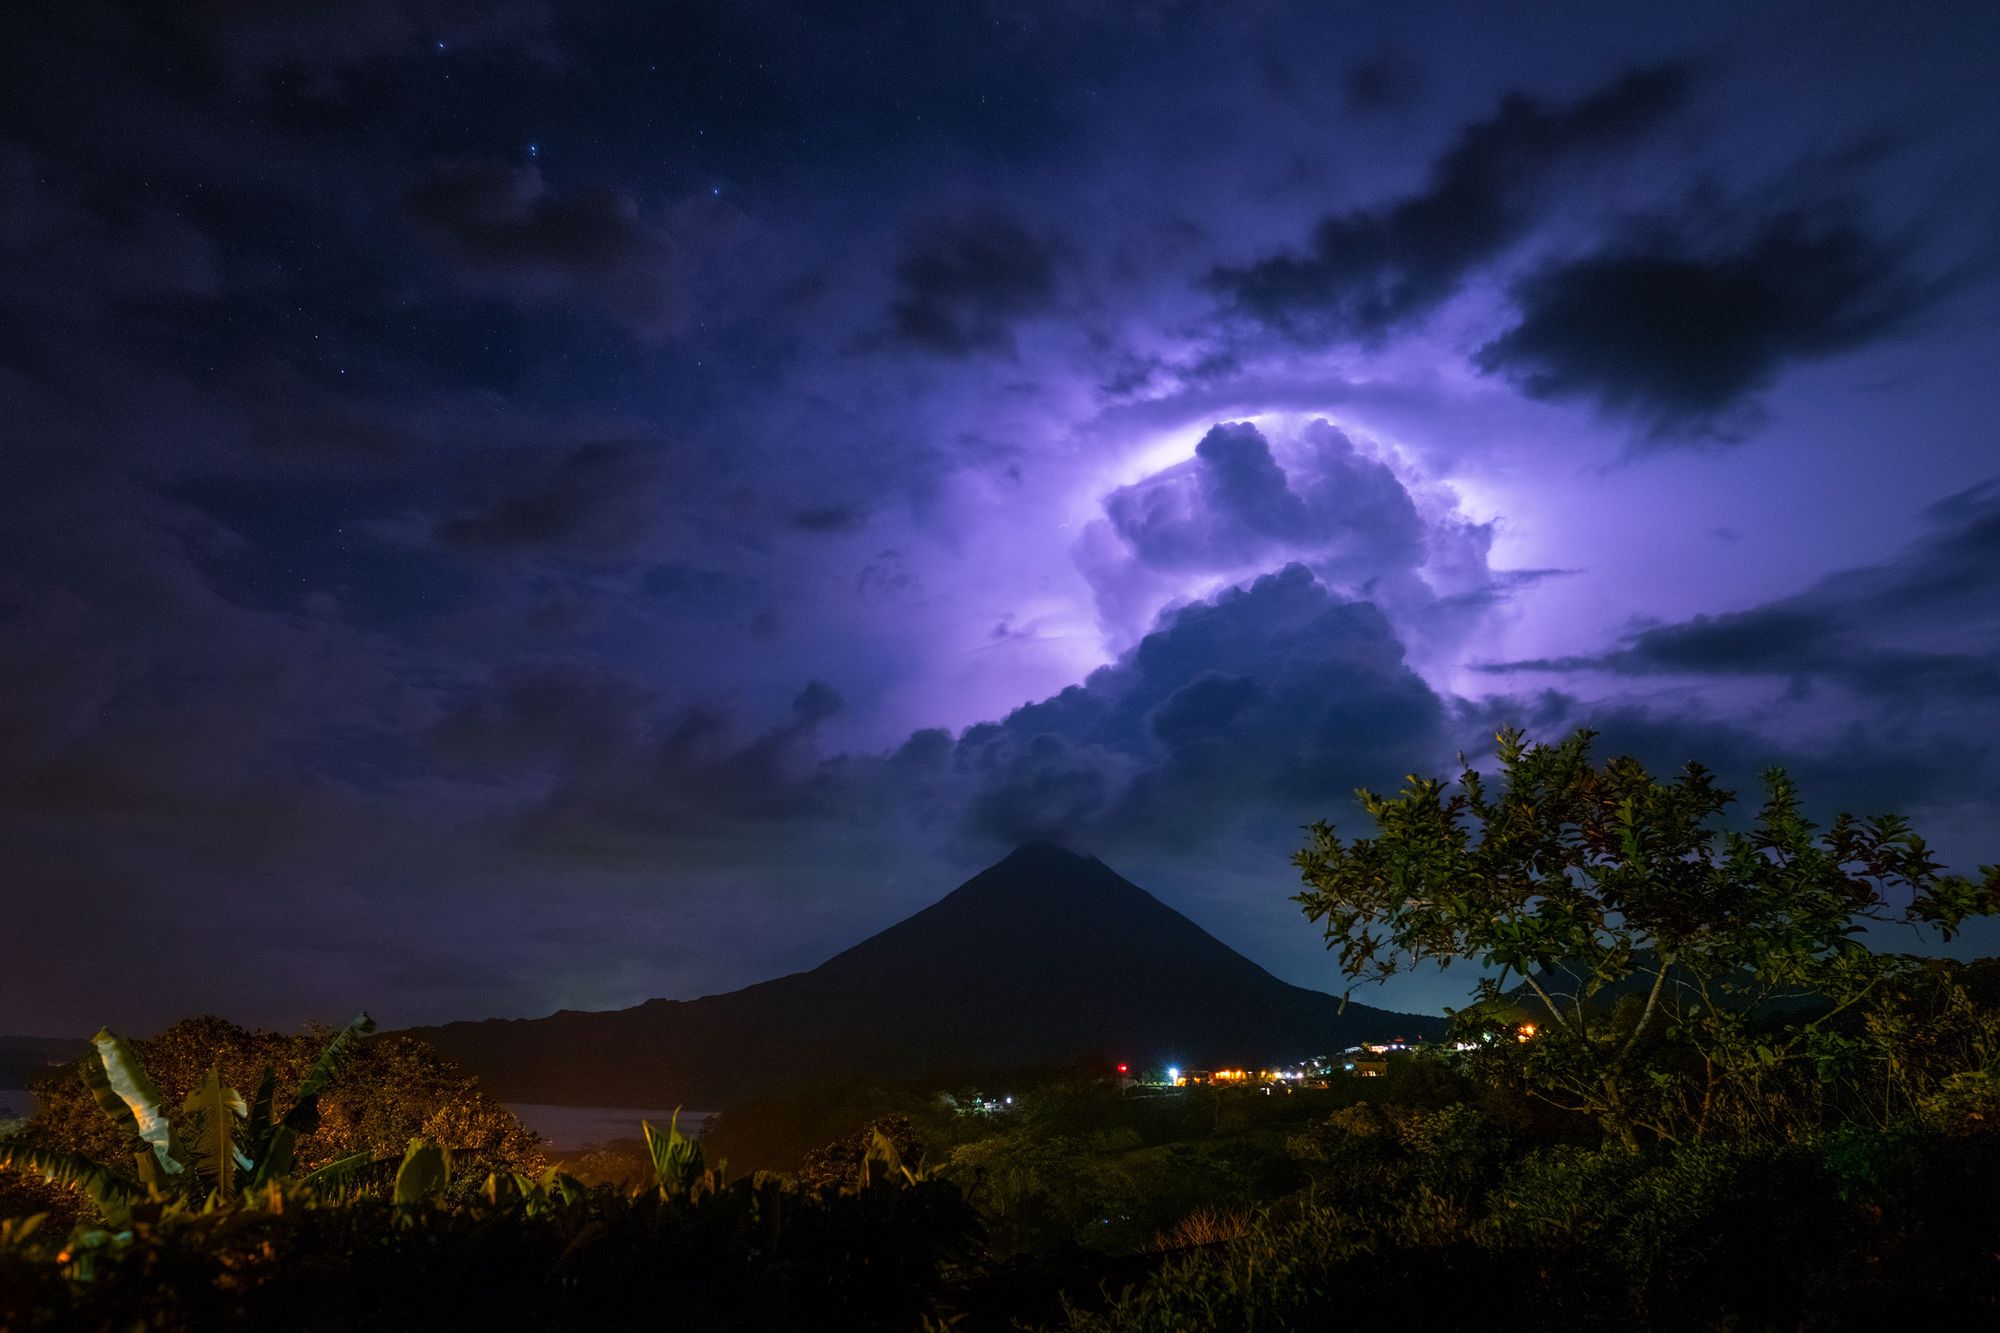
1616	1122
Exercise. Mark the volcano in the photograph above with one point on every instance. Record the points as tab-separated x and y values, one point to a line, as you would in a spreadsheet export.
1046	958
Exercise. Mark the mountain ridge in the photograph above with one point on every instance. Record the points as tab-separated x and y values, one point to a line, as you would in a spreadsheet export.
1047	957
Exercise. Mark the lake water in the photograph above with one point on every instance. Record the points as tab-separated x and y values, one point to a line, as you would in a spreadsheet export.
568	1128
16	1104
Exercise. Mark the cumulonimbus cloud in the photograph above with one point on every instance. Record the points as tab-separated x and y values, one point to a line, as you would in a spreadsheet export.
1253	499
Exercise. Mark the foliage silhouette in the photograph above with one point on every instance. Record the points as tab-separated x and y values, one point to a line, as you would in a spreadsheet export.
1681	978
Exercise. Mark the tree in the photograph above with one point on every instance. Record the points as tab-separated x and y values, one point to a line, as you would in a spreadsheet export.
1670	971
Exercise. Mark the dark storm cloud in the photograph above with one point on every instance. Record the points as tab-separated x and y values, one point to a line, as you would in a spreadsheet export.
578	715
74	269
262	41
655	779
831	518
1856	765
595	497
1677	340
1279	695
963	284
1385	81
1364	272
817	702
1919	631
603	758
1276	694
509	230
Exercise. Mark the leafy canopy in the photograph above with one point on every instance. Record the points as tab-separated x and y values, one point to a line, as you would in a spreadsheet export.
1587	884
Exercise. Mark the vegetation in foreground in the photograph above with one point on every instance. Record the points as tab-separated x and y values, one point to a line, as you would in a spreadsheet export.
1687	1096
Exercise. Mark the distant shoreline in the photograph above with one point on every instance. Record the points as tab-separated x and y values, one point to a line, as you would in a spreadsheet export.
572	1128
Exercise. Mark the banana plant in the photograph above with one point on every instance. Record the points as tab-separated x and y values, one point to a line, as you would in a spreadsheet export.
883	1160
554	1189
676	1158
271	1143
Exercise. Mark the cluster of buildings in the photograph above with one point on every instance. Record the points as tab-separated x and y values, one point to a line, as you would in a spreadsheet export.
979	1103
1367	1060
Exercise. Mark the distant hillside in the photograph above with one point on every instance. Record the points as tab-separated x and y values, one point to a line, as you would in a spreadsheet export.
24	1061
1046	958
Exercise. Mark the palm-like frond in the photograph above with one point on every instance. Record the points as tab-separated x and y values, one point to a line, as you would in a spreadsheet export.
112	1193
258	1126
341	1174
216	1110
676	1157
276	1159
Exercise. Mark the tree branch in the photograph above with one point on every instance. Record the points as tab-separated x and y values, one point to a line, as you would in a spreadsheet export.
1547	1003
1646	1015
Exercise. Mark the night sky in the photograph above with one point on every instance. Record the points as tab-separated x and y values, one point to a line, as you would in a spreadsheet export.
503	508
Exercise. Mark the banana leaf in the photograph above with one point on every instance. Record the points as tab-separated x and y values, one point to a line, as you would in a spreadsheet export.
257	1128
502	1186
425	1171
215	1110
303	1118
91	1070
14	1231
340	1174
112	1193
883	1160
127	1079
558	1185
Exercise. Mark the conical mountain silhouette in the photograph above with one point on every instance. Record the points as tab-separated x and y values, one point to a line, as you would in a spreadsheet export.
1045	958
